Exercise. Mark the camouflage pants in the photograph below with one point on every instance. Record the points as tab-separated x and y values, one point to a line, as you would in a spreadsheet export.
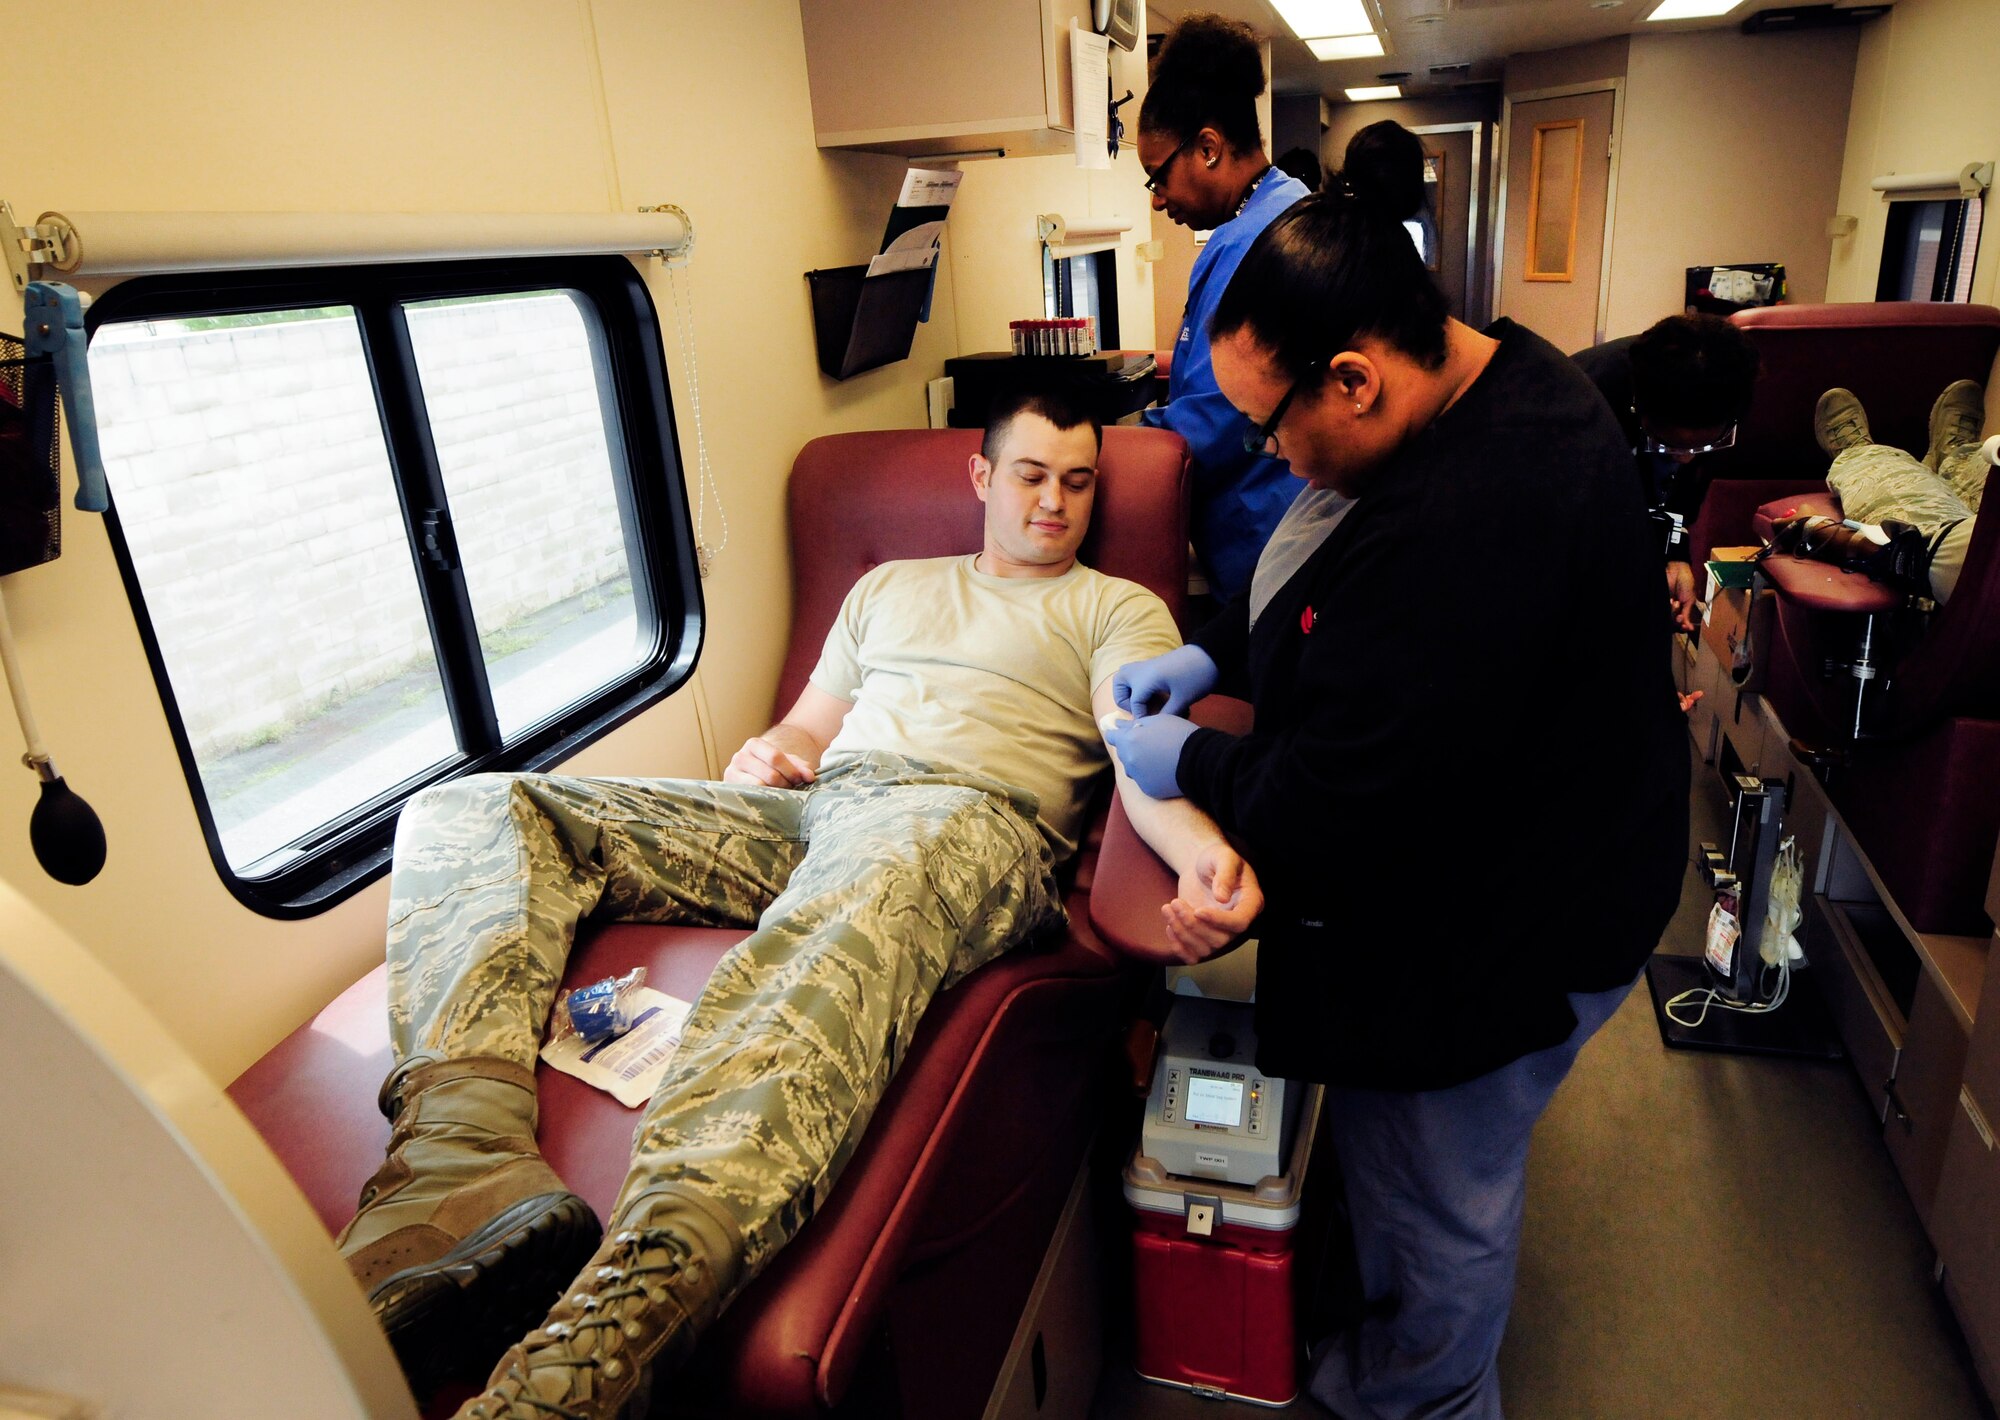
870	891
1878	482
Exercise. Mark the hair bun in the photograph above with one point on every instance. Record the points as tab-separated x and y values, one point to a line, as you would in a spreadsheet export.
1383	169
1212	54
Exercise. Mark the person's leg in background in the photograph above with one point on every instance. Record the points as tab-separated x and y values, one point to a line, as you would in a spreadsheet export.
1436	1183
911	880
1906	525
1879	483
465	1234
1960	454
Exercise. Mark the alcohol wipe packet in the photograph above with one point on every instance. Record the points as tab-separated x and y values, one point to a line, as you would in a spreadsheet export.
630	1066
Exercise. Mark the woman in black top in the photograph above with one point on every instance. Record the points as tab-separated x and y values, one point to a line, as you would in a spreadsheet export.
1466	791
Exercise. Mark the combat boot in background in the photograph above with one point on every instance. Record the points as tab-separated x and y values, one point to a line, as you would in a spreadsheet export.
1955	420
465	1235
1839	422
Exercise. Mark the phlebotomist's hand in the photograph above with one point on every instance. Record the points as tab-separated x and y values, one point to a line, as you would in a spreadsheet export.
1219	900
1150	751
1167	684
1680	594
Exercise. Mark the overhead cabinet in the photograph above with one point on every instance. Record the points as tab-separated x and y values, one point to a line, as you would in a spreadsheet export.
931	80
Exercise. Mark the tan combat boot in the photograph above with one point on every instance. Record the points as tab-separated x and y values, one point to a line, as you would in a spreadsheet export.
464	1235
1839	422
659	1281
1955	420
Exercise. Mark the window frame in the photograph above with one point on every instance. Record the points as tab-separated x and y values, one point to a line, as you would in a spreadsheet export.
1963	223
338	859
1059	290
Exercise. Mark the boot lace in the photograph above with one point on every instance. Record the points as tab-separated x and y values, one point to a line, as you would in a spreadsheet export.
628	1276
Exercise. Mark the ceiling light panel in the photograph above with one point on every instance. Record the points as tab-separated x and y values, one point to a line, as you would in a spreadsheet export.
1311	19
1345	47
1380	91
1693	9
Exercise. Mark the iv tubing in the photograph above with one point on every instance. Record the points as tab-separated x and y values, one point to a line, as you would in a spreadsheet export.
38	754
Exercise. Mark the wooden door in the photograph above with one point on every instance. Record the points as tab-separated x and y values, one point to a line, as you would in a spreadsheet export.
1558	182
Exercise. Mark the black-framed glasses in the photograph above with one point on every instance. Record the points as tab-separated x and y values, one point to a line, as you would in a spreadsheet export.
1259	439
1651	443
1159	175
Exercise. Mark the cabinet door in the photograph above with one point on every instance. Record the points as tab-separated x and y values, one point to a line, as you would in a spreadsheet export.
1967	1230
1924	1095
1982	1059
1870	1025
911	77
902	65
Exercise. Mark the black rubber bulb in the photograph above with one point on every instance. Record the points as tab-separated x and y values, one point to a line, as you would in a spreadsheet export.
67	837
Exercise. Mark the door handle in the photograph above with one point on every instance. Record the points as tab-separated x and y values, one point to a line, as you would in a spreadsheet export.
1902	1116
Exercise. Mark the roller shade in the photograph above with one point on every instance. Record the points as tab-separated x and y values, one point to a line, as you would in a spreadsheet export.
1969	181
1065	238
140	243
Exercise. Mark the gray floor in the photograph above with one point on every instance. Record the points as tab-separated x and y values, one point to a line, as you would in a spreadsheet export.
1711	1235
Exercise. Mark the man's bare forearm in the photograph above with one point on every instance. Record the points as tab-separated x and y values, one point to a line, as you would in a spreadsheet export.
1173	828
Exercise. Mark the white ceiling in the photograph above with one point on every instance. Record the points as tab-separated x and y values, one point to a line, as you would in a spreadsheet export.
1476	32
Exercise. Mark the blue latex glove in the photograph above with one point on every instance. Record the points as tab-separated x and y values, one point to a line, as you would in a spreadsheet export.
1165	685
1150	750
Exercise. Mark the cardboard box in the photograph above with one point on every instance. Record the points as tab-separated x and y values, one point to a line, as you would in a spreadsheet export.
1722	629
1730	568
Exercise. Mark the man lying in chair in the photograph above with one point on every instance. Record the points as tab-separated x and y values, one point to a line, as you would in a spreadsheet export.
901	825
1908	522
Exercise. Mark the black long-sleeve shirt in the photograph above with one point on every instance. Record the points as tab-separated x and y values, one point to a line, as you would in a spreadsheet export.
1466	792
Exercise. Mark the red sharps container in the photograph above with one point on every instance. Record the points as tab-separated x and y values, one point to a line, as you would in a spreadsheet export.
1213	1279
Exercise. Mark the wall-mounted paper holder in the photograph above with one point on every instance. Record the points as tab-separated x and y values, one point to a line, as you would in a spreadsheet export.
861	322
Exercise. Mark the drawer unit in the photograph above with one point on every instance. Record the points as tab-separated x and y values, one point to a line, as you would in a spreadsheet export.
1870	1022
1923	1096
1982	1059
1967	1229
1743	729
1705	675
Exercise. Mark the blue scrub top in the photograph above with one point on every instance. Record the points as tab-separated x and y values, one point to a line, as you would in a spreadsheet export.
1238	497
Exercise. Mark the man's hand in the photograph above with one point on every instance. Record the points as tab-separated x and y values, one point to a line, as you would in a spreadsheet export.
1219	900
761	762
786	756
1167	683
1680	594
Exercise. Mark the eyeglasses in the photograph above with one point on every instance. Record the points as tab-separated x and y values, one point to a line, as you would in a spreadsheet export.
1651	443
1159	174
1259	440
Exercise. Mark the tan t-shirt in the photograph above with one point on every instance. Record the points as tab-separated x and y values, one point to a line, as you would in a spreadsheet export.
994	675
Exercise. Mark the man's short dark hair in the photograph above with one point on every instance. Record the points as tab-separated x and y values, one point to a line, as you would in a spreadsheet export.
1693	372
1064	405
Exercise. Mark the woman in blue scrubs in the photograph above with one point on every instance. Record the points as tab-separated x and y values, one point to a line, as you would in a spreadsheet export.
1471	833
1205	167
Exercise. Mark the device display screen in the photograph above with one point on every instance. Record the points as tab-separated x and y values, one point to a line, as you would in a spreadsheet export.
1212	1101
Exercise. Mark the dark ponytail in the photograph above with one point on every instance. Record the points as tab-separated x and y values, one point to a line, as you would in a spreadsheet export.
1333	267
1208	75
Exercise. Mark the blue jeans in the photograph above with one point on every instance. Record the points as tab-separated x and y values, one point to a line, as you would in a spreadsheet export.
1435	1185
